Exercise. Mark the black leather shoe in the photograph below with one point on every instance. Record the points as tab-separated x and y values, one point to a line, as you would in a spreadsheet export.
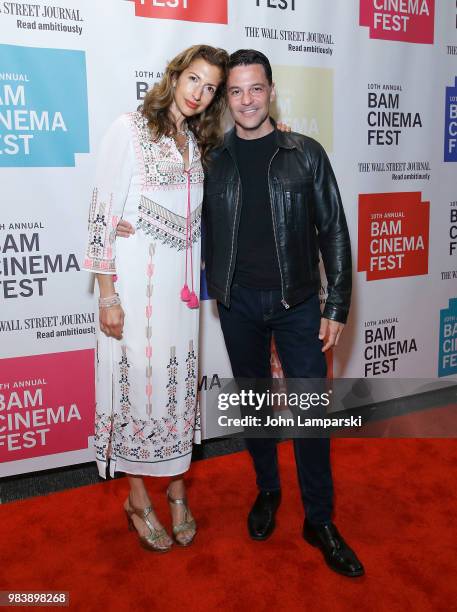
261	518
337	554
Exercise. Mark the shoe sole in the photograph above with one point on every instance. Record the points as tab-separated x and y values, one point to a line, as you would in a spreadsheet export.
150	548
263	537
313	542
143	544
178	543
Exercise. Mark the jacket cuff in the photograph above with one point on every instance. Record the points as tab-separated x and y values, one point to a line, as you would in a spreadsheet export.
335	313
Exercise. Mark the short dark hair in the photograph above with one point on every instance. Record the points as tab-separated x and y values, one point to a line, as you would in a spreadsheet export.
247	57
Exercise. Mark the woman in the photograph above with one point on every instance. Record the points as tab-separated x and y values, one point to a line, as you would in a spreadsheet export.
150	174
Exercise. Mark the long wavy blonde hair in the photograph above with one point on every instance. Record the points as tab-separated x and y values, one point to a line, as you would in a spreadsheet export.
207	125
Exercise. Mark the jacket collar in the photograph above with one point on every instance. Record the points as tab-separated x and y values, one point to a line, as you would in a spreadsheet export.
283	139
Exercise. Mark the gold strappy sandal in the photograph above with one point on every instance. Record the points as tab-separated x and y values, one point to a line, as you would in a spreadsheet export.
185	525
149	542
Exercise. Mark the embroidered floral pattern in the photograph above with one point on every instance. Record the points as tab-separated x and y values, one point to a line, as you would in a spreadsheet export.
124	384
167	227
102	234
161	160
172	385
166	437
154	439
191	394
103	430
149	287
142	440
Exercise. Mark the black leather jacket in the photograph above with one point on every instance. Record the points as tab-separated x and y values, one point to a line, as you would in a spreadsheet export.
308	216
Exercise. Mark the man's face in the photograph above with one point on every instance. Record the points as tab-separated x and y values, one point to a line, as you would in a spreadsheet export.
249	96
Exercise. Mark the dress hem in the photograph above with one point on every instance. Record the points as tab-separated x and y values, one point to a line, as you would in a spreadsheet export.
111	465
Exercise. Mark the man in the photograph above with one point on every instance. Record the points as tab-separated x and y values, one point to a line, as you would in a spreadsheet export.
271	203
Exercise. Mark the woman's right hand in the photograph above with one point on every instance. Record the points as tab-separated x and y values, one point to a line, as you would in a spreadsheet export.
112	321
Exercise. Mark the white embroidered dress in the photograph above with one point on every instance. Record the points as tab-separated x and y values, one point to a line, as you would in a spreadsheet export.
146	385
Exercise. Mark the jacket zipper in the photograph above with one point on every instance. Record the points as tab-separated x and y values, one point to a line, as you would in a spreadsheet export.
230	274
283	301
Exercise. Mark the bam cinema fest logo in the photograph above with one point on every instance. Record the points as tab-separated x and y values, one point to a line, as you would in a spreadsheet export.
43	106
46	404
24	267
411	21
447	354
205	11
385	347
305	101
386	122
450	124
393	235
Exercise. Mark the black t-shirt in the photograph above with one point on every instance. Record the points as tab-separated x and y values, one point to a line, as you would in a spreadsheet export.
257	259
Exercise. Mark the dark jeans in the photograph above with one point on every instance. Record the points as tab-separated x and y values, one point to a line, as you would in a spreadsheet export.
254	315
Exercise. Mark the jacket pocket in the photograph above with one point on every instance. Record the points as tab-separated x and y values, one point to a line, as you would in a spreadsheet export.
297	196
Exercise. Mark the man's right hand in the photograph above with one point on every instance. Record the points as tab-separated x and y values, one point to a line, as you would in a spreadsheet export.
124	229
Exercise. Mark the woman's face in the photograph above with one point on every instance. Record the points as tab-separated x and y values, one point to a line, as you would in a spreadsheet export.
196	87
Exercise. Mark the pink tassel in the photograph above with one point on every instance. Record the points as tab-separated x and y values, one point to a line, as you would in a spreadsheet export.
193	301
185	293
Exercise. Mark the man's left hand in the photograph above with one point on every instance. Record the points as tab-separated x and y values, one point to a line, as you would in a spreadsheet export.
283	127
330	332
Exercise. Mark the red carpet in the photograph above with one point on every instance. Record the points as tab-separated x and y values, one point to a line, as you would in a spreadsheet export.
396	504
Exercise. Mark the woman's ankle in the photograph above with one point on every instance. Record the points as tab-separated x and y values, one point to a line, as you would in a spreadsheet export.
139	499
177	488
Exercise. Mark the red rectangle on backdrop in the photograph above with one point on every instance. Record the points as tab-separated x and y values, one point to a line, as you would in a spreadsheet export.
205	11
411	22
47	404
393	235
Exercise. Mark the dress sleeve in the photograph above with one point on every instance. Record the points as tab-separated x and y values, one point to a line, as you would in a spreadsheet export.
113	174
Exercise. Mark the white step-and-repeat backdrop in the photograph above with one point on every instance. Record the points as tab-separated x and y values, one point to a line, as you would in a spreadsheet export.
375	81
